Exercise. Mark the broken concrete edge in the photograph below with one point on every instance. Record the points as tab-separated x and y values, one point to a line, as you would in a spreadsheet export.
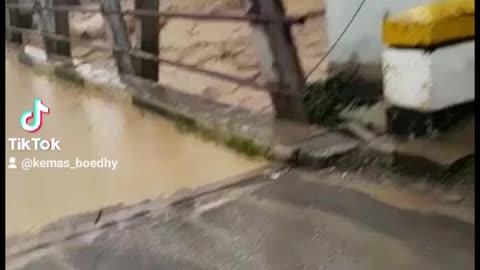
87	223
382	151
382	148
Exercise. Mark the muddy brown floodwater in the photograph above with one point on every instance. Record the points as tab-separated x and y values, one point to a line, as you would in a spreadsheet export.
154	158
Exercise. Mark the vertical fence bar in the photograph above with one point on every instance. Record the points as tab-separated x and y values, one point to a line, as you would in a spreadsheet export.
46	24
119	35
62	27
147	39
278	58
14	19
7	24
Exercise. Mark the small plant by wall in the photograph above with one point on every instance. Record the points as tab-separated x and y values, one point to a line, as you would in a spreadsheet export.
324	101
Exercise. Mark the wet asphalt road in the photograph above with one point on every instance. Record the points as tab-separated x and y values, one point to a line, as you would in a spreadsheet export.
293	222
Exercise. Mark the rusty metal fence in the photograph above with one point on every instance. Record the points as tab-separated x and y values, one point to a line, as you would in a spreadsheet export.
274	45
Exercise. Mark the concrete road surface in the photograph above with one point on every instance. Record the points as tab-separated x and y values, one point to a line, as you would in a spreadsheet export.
299	220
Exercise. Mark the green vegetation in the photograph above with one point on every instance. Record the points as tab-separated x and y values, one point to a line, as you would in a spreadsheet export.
245	146
324	102
241	145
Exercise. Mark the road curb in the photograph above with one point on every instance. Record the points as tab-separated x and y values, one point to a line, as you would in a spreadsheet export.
76	226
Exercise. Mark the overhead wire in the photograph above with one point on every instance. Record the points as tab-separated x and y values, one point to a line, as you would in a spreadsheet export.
337	40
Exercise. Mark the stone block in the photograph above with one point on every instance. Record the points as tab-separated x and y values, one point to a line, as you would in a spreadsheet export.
427	81
431	25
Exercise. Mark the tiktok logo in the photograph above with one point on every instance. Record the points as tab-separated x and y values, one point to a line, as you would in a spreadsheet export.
37	115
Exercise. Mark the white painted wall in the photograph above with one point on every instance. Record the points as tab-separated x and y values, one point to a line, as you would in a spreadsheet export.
454	74
364	37
415	79
407	78
430	81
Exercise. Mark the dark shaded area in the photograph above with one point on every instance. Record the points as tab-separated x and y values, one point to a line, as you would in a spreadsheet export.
325	101
405	122
18	18
460	172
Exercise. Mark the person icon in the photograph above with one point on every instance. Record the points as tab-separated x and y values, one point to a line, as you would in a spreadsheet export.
12	163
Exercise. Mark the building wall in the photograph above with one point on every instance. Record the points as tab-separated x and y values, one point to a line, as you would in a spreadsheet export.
363	39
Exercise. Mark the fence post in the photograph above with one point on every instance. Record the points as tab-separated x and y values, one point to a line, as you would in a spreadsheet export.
14	18
278	59
46	24
8	22
62	27
119	34
147	39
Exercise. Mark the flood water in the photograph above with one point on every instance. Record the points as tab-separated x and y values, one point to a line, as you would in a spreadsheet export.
154	158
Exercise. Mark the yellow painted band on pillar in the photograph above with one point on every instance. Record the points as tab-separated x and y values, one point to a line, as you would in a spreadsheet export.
431	25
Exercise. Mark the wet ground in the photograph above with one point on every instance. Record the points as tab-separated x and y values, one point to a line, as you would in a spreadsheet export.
297	220
292	219
154	158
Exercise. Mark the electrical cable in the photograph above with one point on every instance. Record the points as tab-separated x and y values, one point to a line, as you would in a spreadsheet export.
336	41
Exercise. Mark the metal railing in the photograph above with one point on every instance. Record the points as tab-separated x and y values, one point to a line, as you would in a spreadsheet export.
178	15
269	18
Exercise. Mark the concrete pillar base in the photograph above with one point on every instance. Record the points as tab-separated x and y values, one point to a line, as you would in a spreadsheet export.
427	81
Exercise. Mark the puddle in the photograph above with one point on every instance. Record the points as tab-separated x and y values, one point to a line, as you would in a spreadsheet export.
154	159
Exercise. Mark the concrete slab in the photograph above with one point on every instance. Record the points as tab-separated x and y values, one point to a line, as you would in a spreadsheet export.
428	81
298	221
322	150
